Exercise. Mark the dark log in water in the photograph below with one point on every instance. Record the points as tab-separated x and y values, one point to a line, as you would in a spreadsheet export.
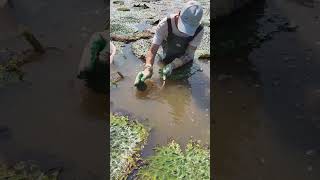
33	41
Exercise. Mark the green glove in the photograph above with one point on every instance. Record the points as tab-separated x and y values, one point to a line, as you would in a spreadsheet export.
97	46
167	70
142	76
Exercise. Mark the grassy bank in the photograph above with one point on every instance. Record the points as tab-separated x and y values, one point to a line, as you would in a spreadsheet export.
127	139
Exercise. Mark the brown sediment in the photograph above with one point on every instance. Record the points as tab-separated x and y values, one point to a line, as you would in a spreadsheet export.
132	38
123	9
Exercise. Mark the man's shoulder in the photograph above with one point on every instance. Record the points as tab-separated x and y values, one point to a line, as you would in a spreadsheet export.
165	19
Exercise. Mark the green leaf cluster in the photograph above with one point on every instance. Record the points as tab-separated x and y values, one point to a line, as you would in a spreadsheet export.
170	162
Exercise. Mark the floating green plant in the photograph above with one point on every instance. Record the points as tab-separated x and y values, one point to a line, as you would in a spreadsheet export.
141	47
26	171
127	139
170	162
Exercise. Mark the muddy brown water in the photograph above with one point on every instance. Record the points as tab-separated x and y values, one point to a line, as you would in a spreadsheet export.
267	114
52	117
180	110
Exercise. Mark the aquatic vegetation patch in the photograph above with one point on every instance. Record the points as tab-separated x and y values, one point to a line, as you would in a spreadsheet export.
27	170
127	139
204	48
128	19
141	47
170	162
121	29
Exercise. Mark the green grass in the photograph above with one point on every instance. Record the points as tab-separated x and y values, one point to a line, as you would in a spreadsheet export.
170	162
127	139
26	171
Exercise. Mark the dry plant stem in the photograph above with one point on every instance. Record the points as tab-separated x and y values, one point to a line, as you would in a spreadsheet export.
163	84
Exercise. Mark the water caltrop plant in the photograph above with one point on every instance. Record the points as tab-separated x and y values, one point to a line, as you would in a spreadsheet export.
127	139
170	162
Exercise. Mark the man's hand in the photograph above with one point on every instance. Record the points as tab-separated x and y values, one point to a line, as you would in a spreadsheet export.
143	75
147	72
167	70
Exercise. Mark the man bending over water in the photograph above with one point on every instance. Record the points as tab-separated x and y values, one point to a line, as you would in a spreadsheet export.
179	35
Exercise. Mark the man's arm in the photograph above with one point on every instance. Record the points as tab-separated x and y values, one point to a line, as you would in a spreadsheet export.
184	59
147	72
160	34
112	51
152	54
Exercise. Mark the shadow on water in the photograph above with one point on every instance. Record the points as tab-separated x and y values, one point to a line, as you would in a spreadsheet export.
235	97
307	3
265	93
52	118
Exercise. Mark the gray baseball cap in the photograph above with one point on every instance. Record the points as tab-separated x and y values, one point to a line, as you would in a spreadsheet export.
190	17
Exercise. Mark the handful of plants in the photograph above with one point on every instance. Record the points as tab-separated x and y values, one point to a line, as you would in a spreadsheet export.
180	73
